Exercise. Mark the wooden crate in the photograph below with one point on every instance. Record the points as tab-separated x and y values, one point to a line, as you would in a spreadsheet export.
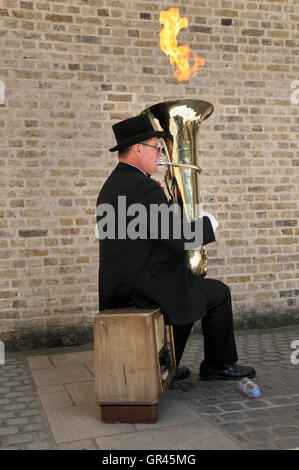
134	362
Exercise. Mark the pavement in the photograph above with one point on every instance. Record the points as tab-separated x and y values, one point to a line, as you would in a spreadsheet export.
47	402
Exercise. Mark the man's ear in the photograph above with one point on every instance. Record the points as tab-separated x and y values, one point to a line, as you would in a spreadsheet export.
136	148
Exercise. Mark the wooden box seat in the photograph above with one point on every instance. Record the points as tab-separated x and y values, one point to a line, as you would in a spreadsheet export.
134	363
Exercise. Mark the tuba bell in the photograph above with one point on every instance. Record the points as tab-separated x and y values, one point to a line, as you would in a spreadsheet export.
180	119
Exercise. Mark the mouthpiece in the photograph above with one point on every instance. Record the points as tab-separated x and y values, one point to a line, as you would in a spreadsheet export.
160	161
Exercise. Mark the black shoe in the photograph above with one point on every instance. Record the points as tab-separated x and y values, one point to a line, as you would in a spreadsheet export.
182	373
225	372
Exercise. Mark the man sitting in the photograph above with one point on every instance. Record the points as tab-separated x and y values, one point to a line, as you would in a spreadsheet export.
150	271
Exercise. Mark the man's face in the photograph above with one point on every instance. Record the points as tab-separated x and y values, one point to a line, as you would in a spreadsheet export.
148	155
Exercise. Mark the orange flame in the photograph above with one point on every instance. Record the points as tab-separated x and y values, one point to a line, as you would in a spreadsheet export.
179	55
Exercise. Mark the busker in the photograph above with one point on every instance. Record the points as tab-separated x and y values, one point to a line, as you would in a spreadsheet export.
150	270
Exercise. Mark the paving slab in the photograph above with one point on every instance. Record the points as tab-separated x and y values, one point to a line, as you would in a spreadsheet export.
171	413
81	392
72	358
39	362
61	375
54	396
84	444
82	422
195	436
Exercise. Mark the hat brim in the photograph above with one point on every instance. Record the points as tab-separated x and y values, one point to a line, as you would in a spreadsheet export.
136	139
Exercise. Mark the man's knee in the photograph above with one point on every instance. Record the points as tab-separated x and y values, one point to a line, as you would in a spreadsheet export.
217	293
223	292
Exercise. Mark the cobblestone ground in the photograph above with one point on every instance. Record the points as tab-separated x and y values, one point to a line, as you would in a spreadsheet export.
270	422
23	424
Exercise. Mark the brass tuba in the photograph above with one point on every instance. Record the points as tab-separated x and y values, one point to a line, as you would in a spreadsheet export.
180	119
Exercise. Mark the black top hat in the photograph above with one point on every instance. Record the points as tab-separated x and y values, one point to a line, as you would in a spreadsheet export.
134	130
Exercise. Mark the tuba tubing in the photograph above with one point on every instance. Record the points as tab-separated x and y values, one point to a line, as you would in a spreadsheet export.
180	120
160	161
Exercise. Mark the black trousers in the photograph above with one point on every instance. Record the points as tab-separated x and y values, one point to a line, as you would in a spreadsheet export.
217	327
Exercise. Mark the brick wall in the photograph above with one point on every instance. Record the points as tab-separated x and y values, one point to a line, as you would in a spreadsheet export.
71	69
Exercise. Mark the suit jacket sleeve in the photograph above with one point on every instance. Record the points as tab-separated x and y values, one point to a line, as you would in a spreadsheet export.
152	194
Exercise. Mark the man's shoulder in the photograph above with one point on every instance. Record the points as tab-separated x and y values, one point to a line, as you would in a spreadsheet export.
127	176
124	179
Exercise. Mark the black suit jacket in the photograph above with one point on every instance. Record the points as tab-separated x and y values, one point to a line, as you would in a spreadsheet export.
149	272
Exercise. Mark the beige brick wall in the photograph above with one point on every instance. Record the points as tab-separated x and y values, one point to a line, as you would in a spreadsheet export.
71	69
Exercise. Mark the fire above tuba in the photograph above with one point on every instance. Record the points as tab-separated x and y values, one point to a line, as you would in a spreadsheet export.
180	119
